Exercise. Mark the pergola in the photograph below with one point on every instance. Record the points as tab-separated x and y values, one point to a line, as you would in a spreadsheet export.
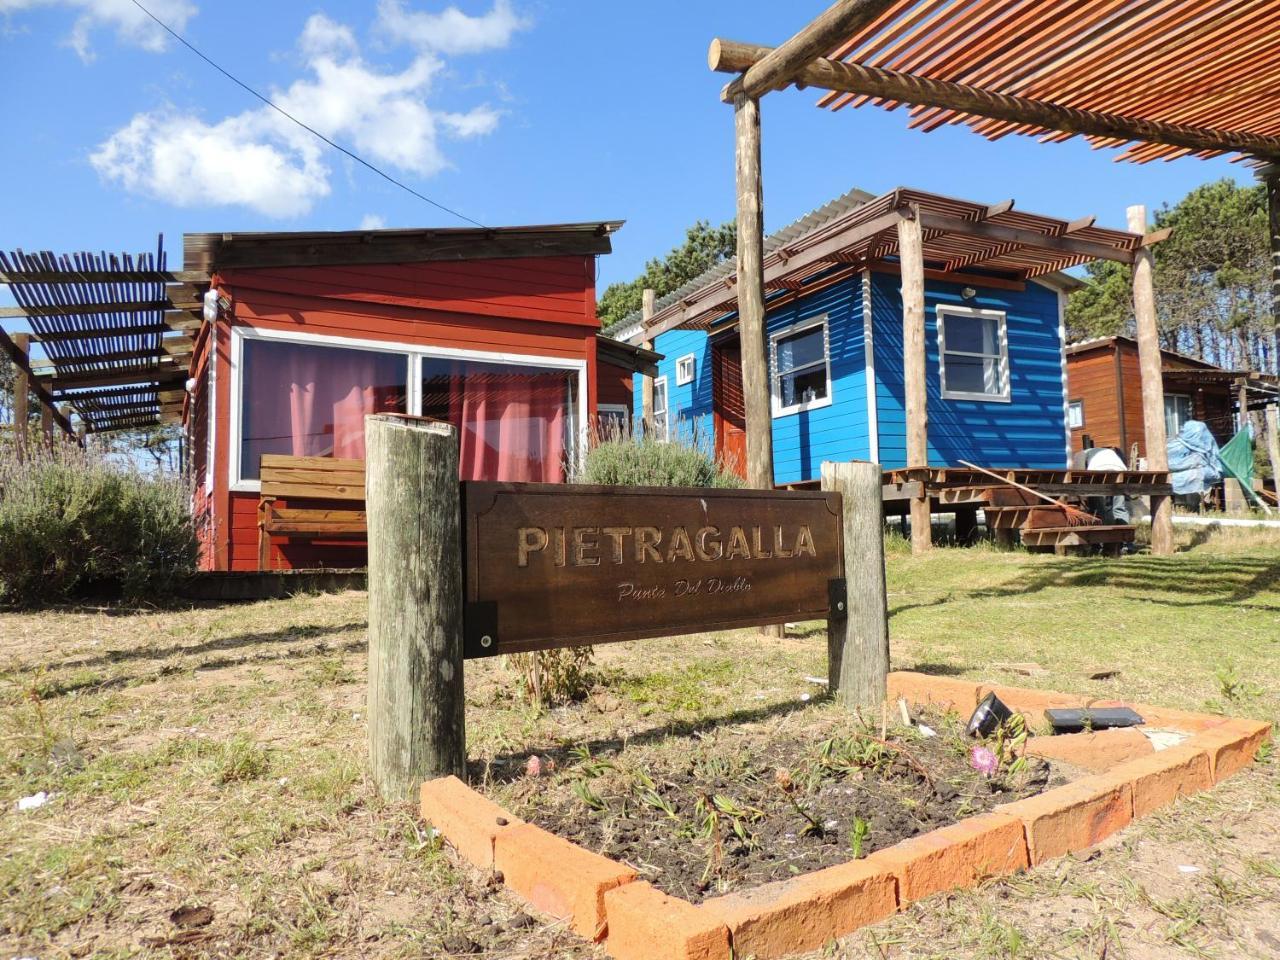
116	333
1157	78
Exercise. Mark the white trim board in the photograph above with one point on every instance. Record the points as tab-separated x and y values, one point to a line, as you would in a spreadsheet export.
869	355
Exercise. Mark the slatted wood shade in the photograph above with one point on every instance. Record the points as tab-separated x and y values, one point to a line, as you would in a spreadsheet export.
1205	64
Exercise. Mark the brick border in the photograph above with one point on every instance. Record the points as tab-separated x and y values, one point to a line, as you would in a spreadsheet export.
602	899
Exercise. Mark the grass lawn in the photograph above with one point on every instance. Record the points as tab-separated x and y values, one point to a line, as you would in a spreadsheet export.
214	758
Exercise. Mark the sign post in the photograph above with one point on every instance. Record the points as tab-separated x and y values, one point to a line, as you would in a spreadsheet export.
416	724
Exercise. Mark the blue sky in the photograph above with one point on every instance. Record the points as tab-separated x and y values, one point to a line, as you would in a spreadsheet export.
511	111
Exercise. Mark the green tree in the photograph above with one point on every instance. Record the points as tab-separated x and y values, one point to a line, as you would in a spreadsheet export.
704	246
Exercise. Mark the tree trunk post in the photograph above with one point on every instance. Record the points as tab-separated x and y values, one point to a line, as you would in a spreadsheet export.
46	425
21	396
416	723
1149	362
1272	181
911	256
858	645
646	382
751	320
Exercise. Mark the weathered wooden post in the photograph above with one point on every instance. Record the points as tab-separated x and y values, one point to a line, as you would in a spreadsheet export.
646	381
915	384
1149	362
858	645
21	394
416	726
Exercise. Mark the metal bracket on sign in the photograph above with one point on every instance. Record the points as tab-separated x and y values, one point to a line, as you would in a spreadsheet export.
837	598
480	630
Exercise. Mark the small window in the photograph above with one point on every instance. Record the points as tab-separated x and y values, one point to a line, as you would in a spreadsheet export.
1177	411
613	421
974	352
1075	414
661	428
801	368
684	370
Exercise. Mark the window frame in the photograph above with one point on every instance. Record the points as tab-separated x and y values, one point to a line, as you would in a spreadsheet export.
775	376
666	407
1071	404
1191	411
615	408
413	353
681	377
1002	318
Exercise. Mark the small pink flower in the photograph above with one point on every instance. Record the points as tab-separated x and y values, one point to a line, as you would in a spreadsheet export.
984	761
533	766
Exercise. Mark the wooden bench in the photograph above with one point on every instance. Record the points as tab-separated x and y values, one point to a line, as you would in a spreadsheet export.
295	479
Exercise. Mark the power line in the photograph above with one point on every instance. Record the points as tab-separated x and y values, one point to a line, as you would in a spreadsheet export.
337	146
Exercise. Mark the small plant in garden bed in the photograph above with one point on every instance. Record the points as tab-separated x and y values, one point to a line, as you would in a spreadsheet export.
704	815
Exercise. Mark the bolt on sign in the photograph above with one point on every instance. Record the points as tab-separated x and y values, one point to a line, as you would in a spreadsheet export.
550	565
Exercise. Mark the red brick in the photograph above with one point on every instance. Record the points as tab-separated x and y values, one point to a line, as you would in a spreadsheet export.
961	855
1073	817
647	924
803	913
1232	745
1096	751
921	689
467	819
1164	776
558	877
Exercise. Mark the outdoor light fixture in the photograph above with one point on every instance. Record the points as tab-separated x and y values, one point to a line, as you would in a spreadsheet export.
211	306
968	293
191	386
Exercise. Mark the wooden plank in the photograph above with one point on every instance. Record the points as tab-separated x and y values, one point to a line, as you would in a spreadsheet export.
95	309
646	383
729	56
819	37
911	256
104	276
319	528
751	308
22	392
313	491
132	330
1149	359
284	460
303	476
1026	238
319	514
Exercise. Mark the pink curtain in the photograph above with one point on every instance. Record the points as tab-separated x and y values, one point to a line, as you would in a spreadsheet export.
511	425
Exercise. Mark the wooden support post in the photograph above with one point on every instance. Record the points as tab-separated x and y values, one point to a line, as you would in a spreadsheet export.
1149	362
65	410
1273	445
751	325
46	425
911	255
858	646
416	724
646	382
21	395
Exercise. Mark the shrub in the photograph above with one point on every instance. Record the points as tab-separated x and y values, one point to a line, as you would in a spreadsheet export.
645	462
73	526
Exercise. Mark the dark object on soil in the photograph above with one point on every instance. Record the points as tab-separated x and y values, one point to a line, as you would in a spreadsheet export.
457	944
986	719
191	917
1104	718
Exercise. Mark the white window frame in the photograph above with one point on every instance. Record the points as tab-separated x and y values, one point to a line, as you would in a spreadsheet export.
661	382
1005	394
1191	410
683	377
414	354
1073	404
775	378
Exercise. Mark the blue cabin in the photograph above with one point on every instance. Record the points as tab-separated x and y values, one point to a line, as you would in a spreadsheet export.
995	358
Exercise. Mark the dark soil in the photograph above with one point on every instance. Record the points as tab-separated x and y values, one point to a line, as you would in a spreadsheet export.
708	815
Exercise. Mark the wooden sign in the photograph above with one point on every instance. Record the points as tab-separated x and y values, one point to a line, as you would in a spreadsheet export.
550	565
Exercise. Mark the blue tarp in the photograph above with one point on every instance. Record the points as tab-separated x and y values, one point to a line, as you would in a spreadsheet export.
1193	459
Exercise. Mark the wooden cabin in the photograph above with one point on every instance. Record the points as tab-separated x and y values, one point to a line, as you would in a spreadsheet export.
494	330
1105	395
995	360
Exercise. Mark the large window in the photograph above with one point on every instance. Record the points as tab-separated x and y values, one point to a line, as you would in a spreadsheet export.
304	400
516	422
974	352
1177	411
661	424
801	368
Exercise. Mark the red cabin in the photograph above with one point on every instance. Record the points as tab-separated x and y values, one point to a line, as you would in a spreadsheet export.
494	330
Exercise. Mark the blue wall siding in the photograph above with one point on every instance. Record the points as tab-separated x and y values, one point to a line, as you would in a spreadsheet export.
1029	431
801	441
689	404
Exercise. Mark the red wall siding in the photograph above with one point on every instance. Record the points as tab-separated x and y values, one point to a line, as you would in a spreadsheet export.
614	385
532	306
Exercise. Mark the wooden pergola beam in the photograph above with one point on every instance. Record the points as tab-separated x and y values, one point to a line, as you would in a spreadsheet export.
103	276
134	330
1026	238
729	56
823	34
19	358
174	350
107	378
94	309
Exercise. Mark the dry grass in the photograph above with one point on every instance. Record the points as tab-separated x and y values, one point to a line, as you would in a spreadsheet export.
214	757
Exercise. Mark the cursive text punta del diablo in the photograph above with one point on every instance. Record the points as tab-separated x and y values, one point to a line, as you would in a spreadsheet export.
592	546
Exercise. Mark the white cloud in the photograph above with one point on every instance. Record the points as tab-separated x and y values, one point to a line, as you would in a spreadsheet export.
130	23
451	30
372	221
260	160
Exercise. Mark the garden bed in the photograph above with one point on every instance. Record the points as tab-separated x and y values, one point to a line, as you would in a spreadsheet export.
738	809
